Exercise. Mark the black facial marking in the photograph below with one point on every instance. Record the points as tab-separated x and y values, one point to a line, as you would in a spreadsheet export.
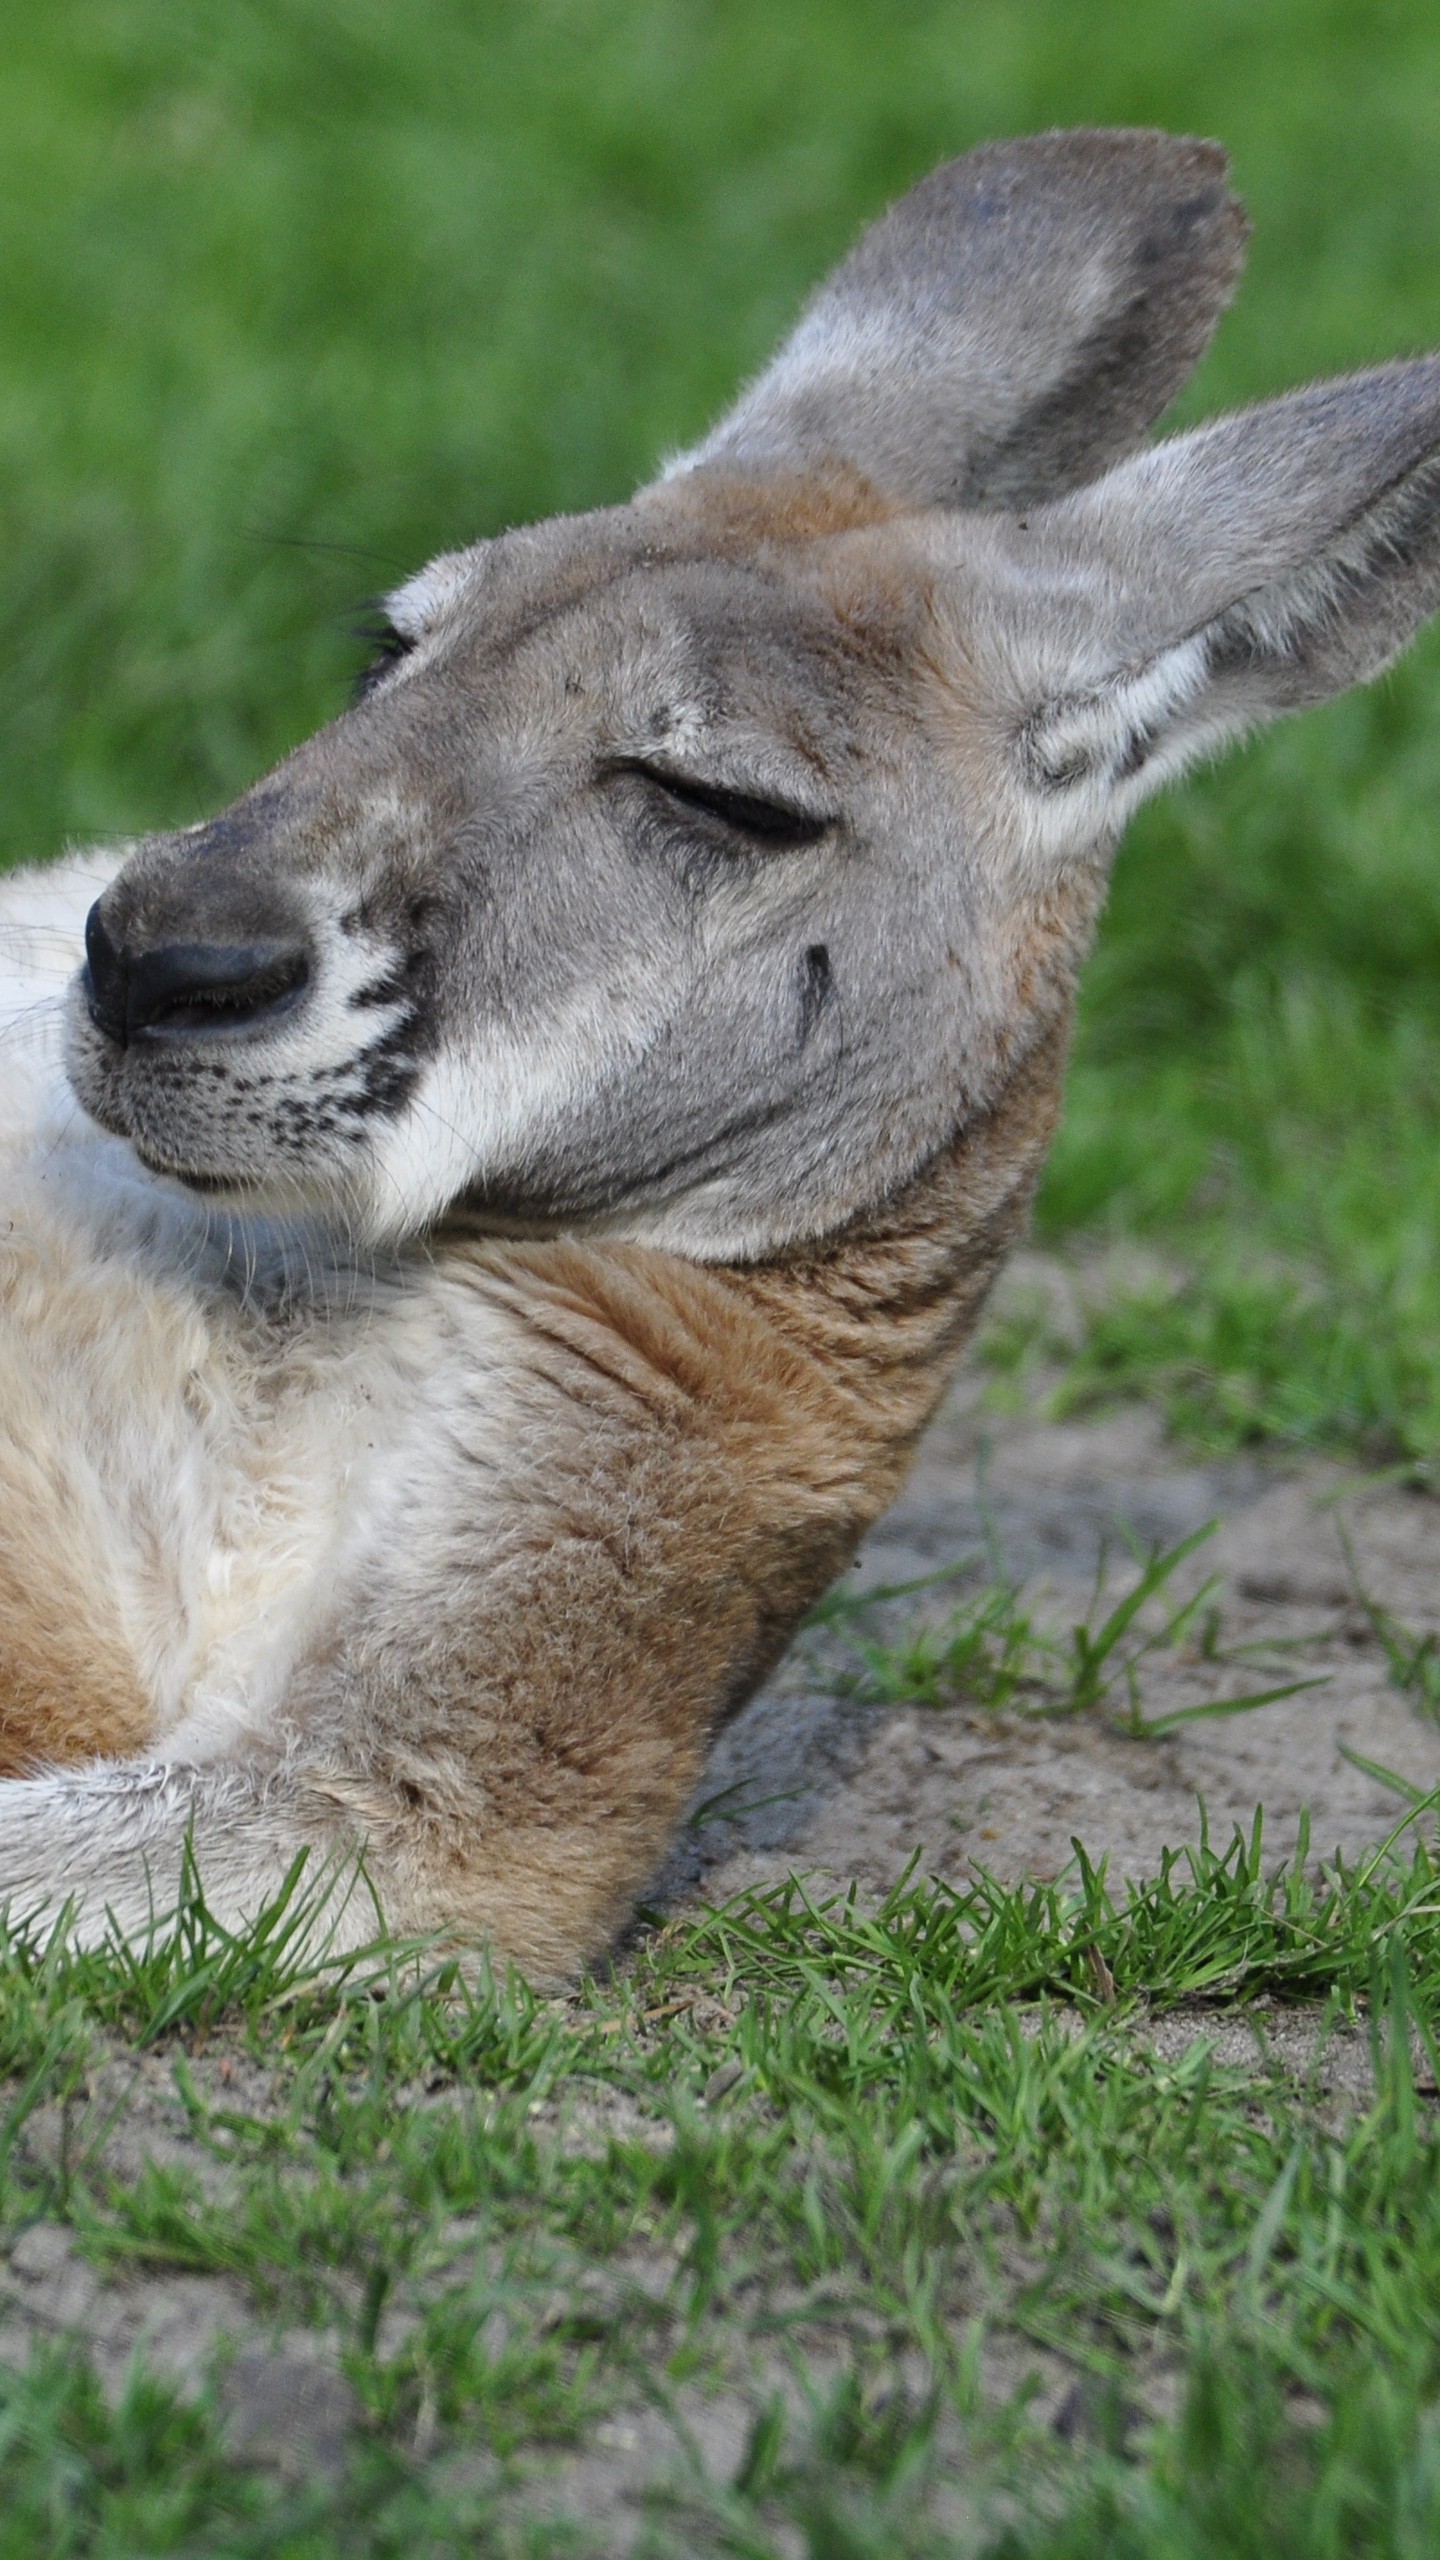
387	990
387	1071
816	988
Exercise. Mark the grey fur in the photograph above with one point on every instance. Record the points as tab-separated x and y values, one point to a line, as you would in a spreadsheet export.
1011	327
1251	568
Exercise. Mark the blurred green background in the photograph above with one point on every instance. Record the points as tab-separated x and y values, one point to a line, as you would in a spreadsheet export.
293	294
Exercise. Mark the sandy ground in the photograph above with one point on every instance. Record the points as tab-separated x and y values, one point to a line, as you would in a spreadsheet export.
811	1782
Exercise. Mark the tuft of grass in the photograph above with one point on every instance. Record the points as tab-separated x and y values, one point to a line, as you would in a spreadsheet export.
1212	1925
994	1651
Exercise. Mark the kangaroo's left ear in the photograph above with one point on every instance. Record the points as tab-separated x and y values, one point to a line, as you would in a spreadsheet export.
1008	330
1216	581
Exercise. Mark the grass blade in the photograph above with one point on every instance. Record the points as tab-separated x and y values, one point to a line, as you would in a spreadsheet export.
1150	1726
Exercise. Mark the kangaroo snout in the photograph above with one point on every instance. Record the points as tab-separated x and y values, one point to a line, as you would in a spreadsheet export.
236	1020
184	989
190	1017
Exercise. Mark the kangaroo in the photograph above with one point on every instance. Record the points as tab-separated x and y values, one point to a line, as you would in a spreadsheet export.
487	1219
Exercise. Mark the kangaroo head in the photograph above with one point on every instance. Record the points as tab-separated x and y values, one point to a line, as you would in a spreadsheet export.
693	870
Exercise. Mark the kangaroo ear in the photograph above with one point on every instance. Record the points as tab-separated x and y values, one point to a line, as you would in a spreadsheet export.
1258	565
1011	327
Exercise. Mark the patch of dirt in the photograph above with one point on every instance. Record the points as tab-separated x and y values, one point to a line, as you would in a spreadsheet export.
284	2401
815	1783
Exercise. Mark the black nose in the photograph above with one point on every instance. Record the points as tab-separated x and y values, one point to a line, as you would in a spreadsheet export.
184	989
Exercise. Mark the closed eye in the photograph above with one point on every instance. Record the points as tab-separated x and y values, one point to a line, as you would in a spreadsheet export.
772	822
388	646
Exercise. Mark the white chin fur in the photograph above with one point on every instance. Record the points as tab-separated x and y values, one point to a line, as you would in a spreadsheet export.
488	1107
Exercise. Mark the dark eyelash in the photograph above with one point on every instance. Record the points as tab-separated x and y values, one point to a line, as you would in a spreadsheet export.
769	820
388	645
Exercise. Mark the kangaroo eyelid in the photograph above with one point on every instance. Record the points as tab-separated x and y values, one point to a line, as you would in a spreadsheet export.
389	645
773	821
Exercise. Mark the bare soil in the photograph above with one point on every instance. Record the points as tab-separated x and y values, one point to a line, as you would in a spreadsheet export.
811	1781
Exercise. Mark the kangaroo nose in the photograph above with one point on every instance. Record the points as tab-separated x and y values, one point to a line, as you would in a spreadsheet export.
185	990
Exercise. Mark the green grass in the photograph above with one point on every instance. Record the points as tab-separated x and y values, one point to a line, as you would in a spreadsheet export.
845	2166
997	1650
292	293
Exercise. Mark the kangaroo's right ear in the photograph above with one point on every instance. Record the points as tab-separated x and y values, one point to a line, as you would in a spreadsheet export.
1214	582
1009	329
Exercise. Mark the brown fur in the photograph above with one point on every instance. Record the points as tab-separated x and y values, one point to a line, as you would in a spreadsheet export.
69	1689
734	513
711	1444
